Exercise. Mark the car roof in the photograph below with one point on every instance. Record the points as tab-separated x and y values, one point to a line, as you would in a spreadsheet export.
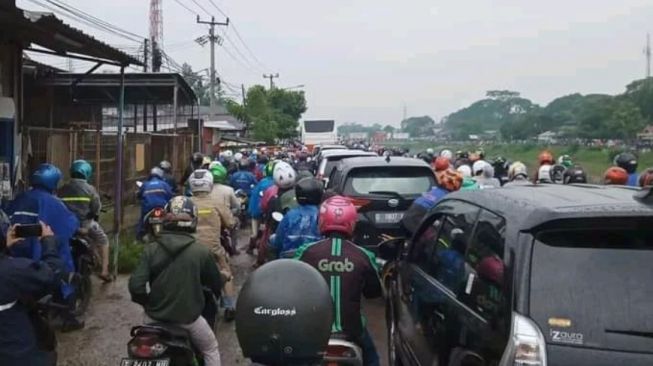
529	206
379	161
346	152
331	147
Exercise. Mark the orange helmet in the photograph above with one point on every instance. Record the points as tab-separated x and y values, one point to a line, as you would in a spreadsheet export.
646	178
441	163
449	179
615	175
545	158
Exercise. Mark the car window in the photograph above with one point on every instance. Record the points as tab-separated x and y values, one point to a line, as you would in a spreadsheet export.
402	180
424	245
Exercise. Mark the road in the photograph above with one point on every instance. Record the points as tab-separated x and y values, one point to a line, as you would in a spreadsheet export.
103	342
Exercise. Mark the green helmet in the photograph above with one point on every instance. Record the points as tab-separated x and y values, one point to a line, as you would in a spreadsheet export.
219	173
269	168
81	169
565	160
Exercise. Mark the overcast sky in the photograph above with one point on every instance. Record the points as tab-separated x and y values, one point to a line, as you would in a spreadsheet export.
361	60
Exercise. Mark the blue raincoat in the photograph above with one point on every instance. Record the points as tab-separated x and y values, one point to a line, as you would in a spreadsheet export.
38	204
244	180
154	193
298	227
254	207
633	180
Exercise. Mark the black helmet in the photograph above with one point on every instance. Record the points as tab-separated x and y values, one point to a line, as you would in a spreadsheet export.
276	323
574	174
557	173
197	159
180	215
309	191
626	161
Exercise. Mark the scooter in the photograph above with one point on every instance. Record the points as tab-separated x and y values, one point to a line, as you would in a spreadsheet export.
243	199
153	221
341	351
159	344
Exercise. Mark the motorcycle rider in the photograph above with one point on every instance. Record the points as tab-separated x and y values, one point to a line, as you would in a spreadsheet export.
212	217
154	193
225	197
628	162
615	176
448	181
168	177
350	271
302	163
196	161
517	174
243	179
544	174
299	226
40	204
23	341
545	157
83	200
254	207
566	161
175	268
500	165
484	175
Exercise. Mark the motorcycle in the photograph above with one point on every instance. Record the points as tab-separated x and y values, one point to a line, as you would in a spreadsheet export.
243	199
85	260
341	351
158	344
41	317
153	221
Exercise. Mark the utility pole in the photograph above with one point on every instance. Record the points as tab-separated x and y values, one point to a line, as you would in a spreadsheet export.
146	54
271	77
213	39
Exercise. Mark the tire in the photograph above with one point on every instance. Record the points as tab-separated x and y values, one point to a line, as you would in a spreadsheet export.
391	325
83	293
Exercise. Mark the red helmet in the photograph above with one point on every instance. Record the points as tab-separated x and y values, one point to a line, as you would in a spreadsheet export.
450	179
441	163
615	175
646	178
337	215
545	158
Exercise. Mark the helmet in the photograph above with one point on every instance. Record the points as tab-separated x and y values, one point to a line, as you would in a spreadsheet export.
499	160
213	164
465	170
309	191
488	171
544	174
615	175
228	155
180	215
450	179
201	181
337	215
81	169
574	174
197	159
46	176
441	163
517	169
479	165
206	161
219	173
430	151
243	164
269	168
284	175
156	172
646	178
626	161
565	160
238	156
557	173
166	166
270	310
446	154
545	157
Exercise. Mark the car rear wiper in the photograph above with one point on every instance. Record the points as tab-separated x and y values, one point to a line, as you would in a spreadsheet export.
631	333
387	193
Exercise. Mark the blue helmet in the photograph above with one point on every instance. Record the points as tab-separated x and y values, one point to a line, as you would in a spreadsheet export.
46	176
81	169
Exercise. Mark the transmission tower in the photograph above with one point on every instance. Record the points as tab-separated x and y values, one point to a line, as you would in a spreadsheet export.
156	33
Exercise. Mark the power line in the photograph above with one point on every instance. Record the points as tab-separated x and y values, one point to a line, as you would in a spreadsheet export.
218	9
186	7
201	7
247	47
246	64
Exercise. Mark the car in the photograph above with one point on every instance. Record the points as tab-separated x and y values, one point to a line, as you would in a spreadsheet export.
320	148
382	189
330	158
525	275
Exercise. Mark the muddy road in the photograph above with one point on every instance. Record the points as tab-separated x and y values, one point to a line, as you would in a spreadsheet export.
103	342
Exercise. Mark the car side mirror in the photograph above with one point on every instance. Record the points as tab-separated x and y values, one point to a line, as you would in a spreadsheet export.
391	249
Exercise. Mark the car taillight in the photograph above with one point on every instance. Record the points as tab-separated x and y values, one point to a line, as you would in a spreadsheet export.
526	346
146	346
359	202
339	351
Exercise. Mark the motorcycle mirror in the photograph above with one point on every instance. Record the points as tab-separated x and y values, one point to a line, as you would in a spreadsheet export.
390	249
277	216
139	184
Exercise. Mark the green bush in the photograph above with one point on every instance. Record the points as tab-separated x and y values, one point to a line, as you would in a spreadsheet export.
129	253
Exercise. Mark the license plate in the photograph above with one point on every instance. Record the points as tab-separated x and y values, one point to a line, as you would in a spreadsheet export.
388	217
133	362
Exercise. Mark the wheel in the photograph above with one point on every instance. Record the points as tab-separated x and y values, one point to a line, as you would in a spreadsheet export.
83	293
391	324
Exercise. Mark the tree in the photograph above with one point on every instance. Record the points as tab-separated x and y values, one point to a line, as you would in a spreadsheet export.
202	89
418	126
389	129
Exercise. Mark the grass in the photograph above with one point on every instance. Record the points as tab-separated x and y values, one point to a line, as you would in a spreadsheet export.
594	160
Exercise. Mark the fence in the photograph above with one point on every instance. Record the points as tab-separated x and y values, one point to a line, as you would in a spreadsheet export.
142	151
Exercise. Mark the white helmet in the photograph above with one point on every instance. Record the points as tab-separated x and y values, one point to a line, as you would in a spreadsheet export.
544	174
238	156
516	169
284	175
201	181
478	167
228	155
429	151
465	170
255	152
446	154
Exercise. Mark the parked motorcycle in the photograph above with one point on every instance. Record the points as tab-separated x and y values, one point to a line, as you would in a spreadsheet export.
160	344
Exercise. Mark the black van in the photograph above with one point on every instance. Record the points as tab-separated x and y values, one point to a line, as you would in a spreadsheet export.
528	275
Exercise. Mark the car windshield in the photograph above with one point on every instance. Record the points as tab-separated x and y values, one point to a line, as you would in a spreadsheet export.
405	181
591	285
